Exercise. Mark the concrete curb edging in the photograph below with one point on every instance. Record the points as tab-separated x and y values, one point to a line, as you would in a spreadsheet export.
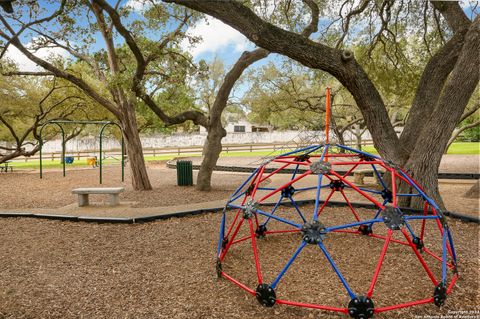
150	218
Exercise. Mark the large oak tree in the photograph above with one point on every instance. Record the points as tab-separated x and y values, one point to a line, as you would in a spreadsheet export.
449	77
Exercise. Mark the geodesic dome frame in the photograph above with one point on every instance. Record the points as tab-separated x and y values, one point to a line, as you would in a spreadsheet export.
321	161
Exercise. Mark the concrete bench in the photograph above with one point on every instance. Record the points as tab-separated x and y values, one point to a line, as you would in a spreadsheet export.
84	192
359	175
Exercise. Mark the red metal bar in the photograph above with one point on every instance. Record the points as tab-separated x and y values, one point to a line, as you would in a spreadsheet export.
239	284
236	216
404	305
350	170
255	252
274	172
327	118
308	305
240	240
370	198
325	203
452	284
420	258
285	185
379	264
350	205
392	240
394	188
359	163
258	182
224	252
449	265
290	162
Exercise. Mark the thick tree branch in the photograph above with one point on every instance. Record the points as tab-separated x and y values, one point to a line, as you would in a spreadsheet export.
313	55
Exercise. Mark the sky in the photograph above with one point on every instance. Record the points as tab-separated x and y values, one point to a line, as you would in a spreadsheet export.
218	40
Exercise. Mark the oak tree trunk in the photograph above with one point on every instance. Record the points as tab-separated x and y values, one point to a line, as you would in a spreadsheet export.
212	150
133	145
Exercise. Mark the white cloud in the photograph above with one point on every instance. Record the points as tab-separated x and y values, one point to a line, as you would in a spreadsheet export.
25	64
216	36
135	5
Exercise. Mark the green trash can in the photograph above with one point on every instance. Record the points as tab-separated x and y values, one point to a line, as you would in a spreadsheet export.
184	173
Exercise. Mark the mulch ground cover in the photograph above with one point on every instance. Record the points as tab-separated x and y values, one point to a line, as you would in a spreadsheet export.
166	269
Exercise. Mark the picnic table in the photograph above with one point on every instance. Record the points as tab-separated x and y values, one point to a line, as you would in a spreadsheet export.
4	167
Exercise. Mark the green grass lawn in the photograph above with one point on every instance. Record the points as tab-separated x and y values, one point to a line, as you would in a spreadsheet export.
460	148
456	148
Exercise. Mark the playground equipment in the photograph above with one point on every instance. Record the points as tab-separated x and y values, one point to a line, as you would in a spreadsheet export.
249	209
104	125
265	205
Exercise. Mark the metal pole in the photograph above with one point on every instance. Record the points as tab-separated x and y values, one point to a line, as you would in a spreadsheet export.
63	147
41	146
101	137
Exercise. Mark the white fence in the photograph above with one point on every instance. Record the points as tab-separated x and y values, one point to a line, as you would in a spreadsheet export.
198	139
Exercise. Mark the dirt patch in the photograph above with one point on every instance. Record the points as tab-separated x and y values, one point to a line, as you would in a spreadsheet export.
165	269
27	190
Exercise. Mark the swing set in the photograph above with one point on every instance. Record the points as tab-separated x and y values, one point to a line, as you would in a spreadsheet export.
104	125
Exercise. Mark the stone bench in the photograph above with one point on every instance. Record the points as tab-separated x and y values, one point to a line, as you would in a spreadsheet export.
359	175
84	192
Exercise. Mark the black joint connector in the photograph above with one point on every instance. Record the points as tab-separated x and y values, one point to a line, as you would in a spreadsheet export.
387	195
288	191
302	158
313	233
440	294
224	243
337	185
218	268
266	295
261	231
365	230
418	243
361	308
250	189
366	158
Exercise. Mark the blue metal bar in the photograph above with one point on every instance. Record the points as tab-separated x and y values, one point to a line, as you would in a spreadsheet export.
295	172
337	271
319	186
422	193
450	240
274	210
410	229
309	188
408	217
379	176
236	197
378	211
301	150
357	151
412	195
366	190
245	182
296	207
266	188
261	212
289	263
444	256
371	221
222	234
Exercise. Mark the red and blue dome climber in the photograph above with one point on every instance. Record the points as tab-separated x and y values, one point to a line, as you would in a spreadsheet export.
273	202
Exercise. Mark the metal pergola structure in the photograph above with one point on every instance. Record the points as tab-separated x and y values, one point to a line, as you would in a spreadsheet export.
104	124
